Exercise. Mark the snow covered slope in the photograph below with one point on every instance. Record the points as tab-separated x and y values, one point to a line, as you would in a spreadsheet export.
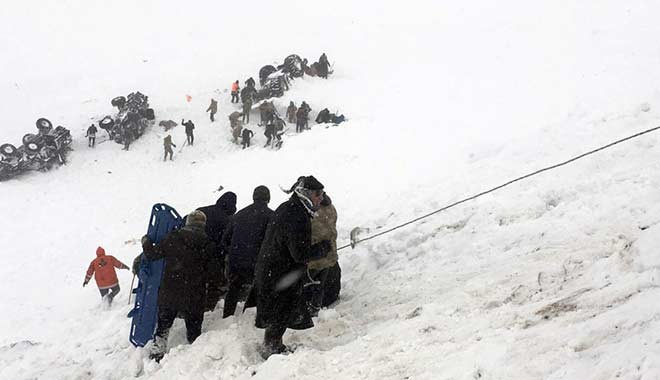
553	278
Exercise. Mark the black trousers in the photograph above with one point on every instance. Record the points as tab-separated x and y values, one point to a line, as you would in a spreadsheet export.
246	143
92	141
313	293
193	321
212	116
234	97
111	292
191	137
168	152
238	280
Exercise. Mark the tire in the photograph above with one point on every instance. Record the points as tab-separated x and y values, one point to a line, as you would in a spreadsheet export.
33	147
8	150
264	72
28	138
119	102
106	123
43	123
293	65
150	115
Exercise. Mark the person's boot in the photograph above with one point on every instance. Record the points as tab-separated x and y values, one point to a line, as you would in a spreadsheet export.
158	349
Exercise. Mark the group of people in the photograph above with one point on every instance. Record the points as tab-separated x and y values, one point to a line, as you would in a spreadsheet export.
284	262
279	261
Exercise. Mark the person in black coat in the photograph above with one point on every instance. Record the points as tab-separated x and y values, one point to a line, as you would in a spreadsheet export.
190	136
218	216
182	289
281	265
91	135
246	136
242	240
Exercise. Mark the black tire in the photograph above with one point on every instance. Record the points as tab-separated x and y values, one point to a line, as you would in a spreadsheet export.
8	150
119	102
150	115
28	138
106	123
43	123
264	72
293	65
33	146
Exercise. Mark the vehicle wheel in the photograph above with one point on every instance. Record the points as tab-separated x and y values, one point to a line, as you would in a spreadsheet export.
43	123
28	138
33	147
119	102
264	72
8	150
106	123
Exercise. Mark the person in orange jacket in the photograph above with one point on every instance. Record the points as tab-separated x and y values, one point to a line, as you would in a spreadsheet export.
103	269
234	92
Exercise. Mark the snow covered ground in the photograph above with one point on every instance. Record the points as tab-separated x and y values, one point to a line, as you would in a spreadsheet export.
556	277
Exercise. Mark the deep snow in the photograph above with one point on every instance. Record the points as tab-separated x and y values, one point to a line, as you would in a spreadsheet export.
552	278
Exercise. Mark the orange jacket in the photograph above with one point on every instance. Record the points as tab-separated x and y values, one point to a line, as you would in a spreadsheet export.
234	87
103	269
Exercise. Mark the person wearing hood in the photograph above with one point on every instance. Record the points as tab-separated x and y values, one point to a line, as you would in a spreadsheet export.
103	270
324	227
281	265
242	239
218	216
187	252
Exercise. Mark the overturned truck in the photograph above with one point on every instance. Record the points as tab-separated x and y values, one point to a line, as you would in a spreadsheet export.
132	119
40	151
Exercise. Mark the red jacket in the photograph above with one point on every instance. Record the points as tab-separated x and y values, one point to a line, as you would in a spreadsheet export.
103	269
234	87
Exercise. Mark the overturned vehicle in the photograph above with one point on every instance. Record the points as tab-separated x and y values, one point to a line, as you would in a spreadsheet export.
40	151
132	119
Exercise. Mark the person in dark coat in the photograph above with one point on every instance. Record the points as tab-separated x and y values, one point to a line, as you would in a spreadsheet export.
269	132
281	265
323	66
247	135
218	216
187	252
250	82
91	135
242	240
189	131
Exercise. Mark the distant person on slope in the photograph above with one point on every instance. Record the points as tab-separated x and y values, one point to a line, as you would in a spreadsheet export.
103	270
167	145
247	135
291	112
242	240
190	137
247	107
213	107
281	265
91	135
183	286
234	92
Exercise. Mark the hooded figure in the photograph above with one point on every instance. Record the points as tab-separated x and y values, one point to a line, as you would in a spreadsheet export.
242	240
218	217
187	253
103	270
281	265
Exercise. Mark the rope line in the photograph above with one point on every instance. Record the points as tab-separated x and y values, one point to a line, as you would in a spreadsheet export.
501	186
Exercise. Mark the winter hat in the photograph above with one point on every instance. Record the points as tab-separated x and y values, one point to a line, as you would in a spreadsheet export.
196	218
227	202
304	189
311	183
100	251
261	193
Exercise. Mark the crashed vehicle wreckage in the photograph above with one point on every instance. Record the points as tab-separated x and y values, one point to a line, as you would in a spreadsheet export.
131	121
39	151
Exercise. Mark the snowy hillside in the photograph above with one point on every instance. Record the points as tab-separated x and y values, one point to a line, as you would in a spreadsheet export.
556	277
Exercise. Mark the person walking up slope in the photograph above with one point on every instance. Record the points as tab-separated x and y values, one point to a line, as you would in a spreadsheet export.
103	270
167	145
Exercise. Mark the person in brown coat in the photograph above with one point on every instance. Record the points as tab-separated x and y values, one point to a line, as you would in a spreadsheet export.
213	107
167	145
291	113
324	227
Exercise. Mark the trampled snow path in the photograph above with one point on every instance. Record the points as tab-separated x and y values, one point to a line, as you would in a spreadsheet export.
553	278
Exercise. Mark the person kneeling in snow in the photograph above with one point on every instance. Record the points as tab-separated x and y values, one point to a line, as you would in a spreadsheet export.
103	269
183	287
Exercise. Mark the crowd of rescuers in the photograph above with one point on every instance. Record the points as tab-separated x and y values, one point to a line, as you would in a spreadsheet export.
284	262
